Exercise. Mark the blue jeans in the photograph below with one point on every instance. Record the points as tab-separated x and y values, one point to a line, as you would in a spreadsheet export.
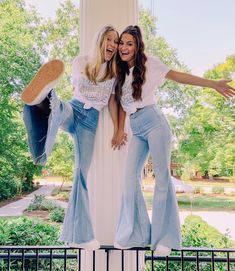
81	124
151	133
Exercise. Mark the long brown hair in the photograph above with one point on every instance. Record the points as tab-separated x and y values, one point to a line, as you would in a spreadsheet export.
139	66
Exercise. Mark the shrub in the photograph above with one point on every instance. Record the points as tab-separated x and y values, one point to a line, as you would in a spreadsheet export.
41	203
27	231
48	205
57	215
196	228
218	190
196	233
9	184
198	190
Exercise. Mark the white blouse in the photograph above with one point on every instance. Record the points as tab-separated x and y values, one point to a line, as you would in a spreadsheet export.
91	94
155	77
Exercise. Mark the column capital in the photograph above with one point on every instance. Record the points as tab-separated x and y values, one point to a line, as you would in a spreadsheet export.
94	14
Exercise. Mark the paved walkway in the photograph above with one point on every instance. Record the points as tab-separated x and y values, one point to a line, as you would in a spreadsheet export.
220	220
16	208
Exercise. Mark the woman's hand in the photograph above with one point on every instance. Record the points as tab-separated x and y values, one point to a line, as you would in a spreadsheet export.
220	86
119	139
224	88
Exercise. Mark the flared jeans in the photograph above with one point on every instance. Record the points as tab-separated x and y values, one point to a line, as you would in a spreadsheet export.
81	124
151	133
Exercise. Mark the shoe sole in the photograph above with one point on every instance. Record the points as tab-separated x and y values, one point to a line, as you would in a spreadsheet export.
47	76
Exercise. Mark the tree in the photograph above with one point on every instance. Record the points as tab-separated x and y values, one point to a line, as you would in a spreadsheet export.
61	39
19	59
202	121
208	132
61	163
26	41
172	95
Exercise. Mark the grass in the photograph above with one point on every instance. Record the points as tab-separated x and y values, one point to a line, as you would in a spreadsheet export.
205	183
200	202
210	183
206	202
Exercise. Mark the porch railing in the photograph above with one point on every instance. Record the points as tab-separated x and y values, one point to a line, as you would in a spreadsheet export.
30	258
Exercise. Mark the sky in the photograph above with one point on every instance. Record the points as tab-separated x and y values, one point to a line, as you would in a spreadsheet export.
201	31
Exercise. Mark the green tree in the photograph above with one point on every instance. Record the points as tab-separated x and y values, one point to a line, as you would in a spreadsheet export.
61	37
26	41
172	95
19	59
61	40
207	139
61	162
173	98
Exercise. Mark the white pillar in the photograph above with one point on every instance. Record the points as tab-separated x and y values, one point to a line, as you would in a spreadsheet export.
106	172
95	14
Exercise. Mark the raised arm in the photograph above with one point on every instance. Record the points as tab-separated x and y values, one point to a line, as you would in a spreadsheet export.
220	86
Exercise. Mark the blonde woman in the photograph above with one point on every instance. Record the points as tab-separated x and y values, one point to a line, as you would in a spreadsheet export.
44	113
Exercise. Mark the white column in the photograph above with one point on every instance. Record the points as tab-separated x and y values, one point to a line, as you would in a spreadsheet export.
95	14
106	172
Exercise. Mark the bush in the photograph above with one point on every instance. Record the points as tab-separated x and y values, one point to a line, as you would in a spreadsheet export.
218	190
41	203
10	185
57	215
48	205
26	231
198	190
196	233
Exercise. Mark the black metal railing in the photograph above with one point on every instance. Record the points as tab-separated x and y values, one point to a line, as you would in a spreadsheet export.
30	258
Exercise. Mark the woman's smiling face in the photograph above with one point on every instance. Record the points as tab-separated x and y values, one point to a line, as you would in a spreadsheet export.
127	49
111	45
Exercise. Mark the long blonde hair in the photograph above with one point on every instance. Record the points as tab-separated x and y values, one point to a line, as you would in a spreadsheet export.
97	57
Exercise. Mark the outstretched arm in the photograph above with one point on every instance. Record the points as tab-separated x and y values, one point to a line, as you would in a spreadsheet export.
220	86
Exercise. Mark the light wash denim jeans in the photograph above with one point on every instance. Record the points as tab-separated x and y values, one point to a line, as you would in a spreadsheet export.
81	124
151	133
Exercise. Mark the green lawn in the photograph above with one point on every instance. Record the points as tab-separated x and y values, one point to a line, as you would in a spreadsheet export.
205	202
200	202
207	183
211	184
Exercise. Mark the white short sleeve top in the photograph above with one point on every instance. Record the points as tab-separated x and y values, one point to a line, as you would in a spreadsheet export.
155	77
91	94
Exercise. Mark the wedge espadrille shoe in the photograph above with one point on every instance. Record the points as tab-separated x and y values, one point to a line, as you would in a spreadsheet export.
43	82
